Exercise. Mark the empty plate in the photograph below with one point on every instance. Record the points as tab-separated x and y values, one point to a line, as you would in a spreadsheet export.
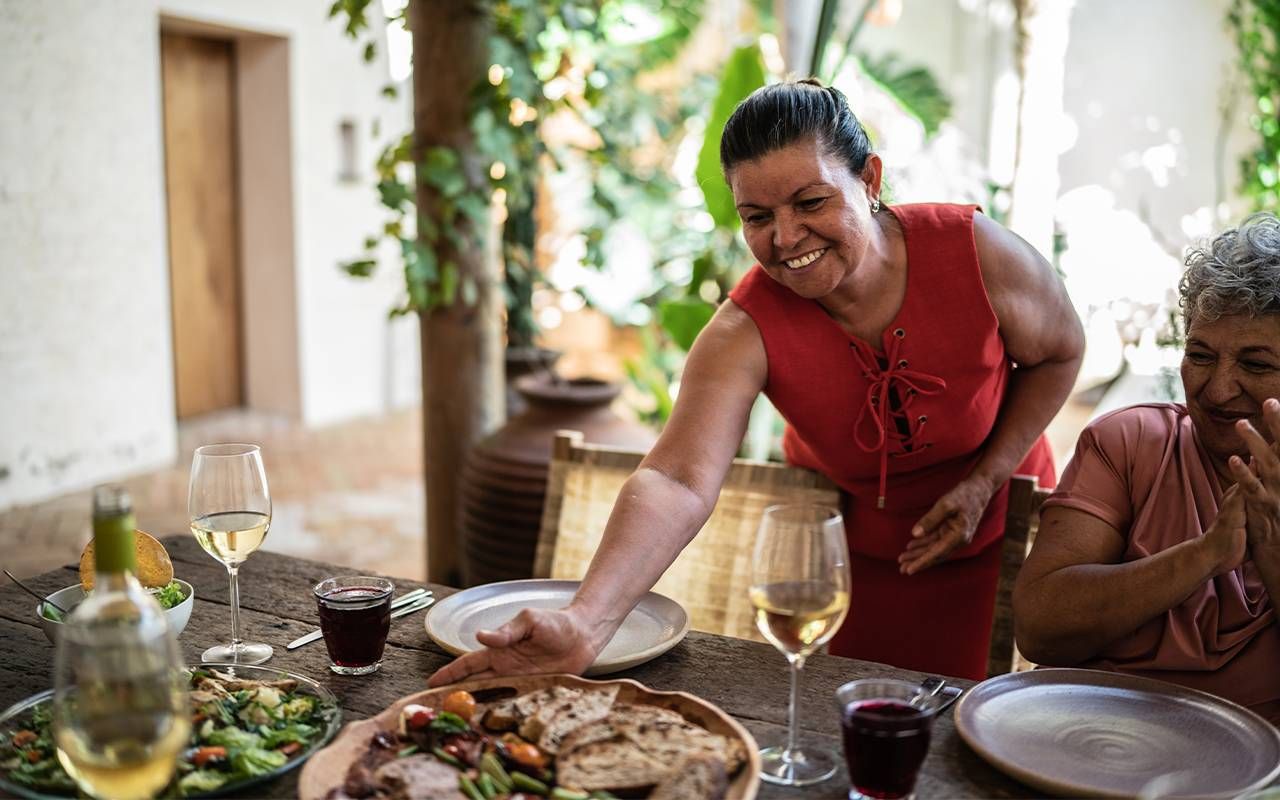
656	625
1106	734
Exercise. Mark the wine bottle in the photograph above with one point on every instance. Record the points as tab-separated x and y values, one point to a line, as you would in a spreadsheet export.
120	710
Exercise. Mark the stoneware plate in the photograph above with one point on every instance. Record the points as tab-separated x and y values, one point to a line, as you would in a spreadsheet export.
655	626
329	768
1077	732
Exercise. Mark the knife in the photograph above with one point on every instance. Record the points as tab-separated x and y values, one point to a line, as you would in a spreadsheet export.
407	599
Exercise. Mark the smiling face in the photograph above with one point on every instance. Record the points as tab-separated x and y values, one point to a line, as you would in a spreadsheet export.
1230	366
805	215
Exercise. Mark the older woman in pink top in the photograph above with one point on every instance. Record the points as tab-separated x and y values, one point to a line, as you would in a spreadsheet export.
1159	554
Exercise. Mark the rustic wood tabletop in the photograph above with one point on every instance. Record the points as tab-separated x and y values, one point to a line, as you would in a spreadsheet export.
748	680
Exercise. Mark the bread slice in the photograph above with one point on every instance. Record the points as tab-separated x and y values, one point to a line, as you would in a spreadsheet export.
698	777
616	764
670	741
610	727
638	746
555	720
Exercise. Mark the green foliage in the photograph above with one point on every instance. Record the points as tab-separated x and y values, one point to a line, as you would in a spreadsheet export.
1256	24
914	87
684	318
743	74
581	57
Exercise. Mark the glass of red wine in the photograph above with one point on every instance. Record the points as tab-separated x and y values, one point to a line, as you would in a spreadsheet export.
886	726
355	616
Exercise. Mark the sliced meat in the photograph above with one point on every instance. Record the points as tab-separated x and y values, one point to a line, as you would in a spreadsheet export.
419	777
360	781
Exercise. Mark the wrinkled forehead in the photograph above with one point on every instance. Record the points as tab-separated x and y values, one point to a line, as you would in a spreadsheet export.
1236	332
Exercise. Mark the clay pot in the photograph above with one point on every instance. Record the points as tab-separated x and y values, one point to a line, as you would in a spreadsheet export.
505	477
521	361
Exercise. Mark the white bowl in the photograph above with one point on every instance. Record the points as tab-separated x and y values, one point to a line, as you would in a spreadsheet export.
71	596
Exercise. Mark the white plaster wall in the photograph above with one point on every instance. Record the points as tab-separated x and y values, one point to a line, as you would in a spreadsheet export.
86	378
1144	83
354	360
966	44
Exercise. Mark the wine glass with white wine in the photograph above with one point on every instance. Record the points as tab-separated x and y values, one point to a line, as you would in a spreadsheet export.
230	510
800	591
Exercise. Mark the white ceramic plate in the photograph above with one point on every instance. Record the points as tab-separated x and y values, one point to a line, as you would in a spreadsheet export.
656	625
1077	732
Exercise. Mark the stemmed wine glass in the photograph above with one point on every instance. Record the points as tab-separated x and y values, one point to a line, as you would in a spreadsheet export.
230	511
800	590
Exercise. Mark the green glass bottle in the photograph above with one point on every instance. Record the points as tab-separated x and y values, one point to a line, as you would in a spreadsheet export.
120	710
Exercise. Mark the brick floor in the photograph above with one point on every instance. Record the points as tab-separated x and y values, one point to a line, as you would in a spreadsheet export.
350	493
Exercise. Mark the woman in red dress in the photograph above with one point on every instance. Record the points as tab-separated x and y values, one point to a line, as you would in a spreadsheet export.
917	354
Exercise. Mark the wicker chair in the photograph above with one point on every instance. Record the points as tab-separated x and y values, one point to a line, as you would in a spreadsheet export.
711	576
1020	523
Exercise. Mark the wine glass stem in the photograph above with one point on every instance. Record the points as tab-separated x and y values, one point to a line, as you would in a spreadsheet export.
797	665
233	572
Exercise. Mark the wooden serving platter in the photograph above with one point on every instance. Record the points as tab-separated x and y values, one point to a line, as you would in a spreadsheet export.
328	768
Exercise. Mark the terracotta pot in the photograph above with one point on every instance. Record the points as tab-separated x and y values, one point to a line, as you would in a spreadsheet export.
521	361
505	478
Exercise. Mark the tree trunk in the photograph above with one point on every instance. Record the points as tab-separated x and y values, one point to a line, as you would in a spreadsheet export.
461	344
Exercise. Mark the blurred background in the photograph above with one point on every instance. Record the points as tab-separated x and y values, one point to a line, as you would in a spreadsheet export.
313	225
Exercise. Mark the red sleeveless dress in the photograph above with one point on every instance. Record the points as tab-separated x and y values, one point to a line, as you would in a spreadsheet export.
896	428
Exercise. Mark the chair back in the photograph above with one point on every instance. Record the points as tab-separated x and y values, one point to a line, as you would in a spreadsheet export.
711	576
1020	523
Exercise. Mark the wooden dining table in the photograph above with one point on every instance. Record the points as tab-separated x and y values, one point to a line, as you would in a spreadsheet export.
748	680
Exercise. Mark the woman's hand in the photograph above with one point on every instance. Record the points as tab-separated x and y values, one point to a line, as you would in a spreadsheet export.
537	641
1225	538
948	525
1259	480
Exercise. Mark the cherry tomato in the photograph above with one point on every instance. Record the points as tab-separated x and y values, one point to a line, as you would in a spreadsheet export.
525	754
421	719
460	703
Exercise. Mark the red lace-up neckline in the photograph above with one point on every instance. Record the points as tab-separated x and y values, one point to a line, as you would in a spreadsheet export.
876	427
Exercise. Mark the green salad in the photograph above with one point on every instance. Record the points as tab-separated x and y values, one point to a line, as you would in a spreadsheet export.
240	730
168	597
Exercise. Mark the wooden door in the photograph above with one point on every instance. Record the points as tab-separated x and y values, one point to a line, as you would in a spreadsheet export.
200	179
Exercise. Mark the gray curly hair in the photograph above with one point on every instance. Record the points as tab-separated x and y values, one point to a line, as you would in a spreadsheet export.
1236	273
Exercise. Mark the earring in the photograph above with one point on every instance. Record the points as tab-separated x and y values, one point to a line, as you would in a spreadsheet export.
875	204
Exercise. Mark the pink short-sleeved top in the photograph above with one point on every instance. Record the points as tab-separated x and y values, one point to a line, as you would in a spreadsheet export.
1143	471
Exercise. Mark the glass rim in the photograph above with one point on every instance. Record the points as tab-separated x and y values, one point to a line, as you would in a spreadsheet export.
371	581
831	512
910	690
244	449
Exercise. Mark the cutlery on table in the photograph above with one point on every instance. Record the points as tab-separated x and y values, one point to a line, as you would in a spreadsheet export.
406	603
33	592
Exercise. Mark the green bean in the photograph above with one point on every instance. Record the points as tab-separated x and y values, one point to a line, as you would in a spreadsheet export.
468	787
526	784
446	758
492	766
485	784
566	794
